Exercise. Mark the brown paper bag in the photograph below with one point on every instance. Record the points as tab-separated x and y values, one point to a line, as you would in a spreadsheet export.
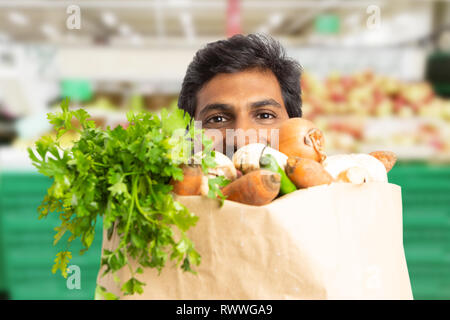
340	241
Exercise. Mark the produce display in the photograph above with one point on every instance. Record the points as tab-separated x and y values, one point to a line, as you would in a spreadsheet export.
364	110
368	94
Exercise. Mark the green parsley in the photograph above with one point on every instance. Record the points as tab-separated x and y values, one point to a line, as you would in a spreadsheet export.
123	175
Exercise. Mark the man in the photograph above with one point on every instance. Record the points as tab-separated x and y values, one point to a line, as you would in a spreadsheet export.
242	86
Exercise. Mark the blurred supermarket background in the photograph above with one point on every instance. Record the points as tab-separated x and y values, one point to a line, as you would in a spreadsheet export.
376	76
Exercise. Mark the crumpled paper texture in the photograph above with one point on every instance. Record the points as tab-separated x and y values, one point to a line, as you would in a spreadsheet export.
338	241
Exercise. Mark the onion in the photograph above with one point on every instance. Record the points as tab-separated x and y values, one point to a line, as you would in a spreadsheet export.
301	138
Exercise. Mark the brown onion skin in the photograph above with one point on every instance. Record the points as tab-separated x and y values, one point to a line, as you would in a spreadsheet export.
292	139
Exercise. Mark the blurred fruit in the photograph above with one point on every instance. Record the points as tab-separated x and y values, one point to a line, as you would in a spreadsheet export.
335	101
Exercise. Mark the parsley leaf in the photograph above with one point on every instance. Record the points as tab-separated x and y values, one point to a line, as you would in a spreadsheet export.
122	175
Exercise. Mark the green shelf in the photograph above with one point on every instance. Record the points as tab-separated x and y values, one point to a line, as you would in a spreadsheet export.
26	244
426	226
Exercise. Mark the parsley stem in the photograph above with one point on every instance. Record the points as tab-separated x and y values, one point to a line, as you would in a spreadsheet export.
130	173
100	164
145	214
128	228
131	211
150	186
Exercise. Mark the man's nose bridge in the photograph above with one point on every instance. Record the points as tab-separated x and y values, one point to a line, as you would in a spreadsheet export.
245	135
242	123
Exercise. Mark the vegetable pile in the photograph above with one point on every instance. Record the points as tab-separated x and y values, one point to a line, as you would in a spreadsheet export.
301	162
123	176
126	177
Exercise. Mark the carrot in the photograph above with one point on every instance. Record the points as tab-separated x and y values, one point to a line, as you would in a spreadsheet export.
305	173
269	162
191	185
387	158
257	188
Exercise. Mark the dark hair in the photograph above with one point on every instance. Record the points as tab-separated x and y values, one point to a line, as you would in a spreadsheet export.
239	53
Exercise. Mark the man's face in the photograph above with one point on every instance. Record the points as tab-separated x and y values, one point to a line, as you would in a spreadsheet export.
250	99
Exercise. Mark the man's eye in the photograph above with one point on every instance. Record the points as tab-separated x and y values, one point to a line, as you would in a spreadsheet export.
216	119
265	116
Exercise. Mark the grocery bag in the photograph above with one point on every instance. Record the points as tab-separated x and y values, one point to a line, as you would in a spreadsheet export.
337	241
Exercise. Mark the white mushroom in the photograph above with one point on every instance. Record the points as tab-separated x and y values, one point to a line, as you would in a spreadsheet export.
356	175
246	159
223	168
373	168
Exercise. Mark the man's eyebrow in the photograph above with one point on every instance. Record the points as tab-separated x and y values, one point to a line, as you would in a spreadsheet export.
215	107
265	102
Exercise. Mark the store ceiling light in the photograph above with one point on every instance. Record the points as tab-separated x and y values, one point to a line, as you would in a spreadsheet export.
125	30
353	20
263	29
18	18
179	3
50	31
136	39
187	25
109	19
275	19
4	37
71	38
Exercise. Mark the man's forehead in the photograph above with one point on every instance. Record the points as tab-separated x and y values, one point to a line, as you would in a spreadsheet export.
250	78
240	88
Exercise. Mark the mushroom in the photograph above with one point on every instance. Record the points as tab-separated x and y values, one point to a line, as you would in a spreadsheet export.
224	166
370	168
247	158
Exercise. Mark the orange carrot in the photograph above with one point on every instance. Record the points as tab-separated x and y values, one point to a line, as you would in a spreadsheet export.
257	188
305	173
191	183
